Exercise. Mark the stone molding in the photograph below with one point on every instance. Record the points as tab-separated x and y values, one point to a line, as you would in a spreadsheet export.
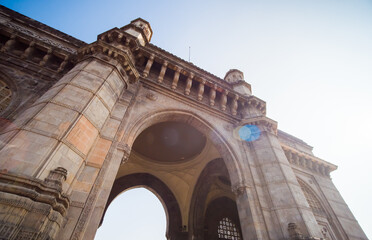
307	161
126	149
33	24
236	101
37	190
122	55
264	123
295	233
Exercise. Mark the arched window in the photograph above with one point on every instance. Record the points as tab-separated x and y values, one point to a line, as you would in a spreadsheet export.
5	96
311	198
227	230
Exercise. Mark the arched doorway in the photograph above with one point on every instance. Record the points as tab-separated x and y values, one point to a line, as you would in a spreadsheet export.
134	214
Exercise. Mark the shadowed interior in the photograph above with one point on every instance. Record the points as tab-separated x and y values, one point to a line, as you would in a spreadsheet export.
170	142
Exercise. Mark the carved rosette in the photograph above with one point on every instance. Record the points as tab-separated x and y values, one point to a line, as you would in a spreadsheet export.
240	188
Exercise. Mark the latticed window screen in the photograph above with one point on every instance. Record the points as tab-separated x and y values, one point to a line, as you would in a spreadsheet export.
5	96
313	201
227	230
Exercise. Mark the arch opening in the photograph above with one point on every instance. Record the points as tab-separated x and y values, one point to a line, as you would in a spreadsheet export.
159	189
136	213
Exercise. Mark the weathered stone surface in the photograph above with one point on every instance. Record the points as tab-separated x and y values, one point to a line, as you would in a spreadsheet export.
73	122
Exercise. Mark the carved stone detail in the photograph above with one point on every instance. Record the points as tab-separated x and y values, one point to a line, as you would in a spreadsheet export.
151	96
162	71
201	90
39	37
34	200
175	78
308	161
294	232
240	188
224	100
126	149
212	95
189	84
56	177
264	123
123	56
149	63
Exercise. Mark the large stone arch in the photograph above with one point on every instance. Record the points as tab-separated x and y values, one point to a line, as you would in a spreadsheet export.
160	189
230	158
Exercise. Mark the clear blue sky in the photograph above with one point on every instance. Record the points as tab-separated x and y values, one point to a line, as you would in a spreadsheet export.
311	61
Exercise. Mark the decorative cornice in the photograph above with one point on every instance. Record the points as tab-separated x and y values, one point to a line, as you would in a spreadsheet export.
112	47
221	96
309	162
24	20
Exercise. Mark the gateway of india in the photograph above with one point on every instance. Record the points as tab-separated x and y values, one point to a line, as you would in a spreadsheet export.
81	123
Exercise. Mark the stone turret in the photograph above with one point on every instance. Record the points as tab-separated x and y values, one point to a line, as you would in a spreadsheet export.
236	78
140	29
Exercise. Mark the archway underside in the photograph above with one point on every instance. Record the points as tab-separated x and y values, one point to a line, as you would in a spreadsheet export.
175	180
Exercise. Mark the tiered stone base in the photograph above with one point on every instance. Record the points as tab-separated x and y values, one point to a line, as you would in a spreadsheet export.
30	208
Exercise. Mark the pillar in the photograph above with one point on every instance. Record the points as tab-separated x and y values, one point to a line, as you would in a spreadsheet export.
283	201
58	147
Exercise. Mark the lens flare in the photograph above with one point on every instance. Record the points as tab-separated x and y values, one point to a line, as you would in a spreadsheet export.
249	133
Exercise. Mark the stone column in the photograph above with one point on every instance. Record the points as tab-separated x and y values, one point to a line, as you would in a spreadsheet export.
246	209
162	72
149	63
201	89
176	78
189	83
61	130
284	200
224	100
212	95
